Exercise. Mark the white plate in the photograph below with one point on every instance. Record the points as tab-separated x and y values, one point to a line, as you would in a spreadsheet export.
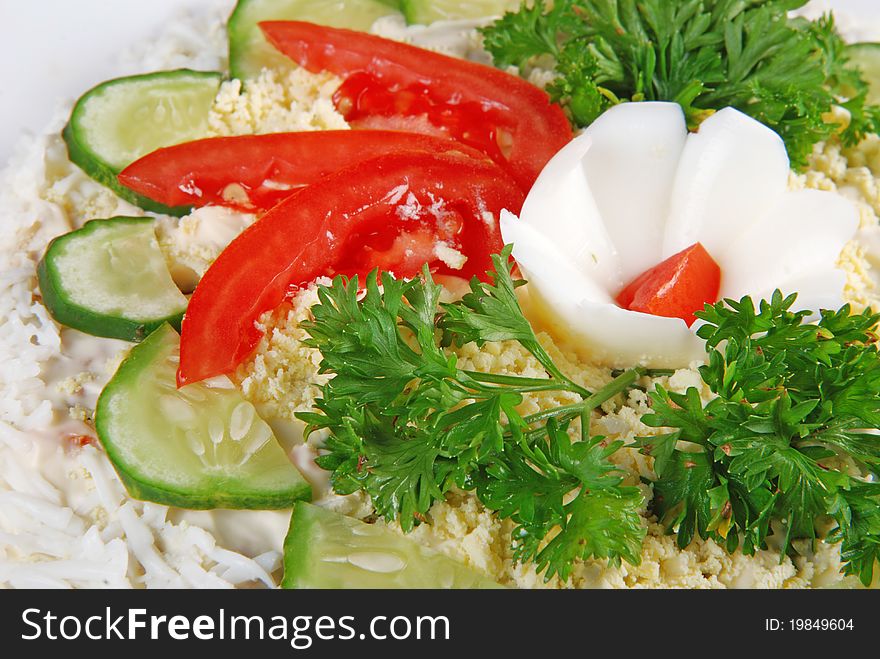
54	50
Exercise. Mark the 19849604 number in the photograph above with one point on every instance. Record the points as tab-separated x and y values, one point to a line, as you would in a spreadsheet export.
809	624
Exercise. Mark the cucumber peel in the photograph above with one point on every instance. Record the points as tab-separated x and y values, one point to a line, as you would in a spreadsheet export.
121	120
109	278
201	446
250	53
324	549
425	12
866	57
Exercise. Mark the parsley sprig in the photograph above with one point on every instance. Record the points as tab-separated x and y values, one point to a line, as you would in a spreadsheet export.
702	54
788	446
790	434
407	424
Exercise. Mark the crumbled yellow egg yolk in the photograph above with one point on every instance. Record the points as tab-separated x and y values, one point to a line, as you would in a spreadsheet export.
277	101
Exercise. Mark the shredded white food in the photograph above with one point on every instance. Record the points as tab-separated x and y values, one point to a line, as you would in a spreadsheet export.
65	517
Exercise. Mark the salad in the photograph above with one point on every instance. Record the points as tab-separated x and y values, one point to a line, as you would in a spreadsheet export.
460	295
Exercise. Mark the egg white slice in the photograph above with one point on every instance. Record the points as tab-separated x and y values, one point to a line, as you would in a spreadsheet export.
561	207
541	254
578	310
815	290
804	231
630	168
730	172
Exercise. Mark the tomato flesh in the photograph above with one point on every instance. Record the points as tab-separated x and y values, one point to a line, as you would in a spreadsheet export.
508	118
79	441
389	212
254	172
366	102
677	287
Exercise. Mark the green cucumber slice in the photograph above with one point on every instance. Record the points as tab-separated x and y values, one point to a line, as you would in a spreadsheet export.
425	12
201	446
250	53
326	550
121	120
866	56
109	278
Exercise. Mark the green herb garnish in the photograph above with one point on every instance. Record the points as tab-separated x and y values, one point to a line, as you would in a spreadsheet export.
703	54
406	424
790	436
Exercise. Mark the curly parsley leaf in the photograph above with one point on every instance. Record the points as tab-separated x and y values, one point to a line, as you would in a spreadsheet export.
791	433
406	424
858	518
491	312
703	54
566	491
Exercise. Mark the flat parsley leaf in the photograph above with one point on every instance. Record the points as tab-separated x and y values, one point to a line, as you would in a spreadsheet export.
703	54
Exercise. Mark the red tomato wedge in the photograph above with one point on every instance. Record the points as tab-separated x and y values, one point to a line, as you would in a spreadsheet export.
396	212
677	287
255	172
392	84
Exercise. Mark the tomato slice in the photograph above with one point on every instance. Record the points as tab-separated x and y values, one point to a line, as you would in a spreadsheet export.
397	211
367	102
254	172
508	118
677	287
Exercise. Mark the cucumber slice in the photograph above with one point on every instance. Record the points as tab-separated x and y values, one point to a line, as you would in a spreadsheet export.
326	550
866	56
201	446
109	278
425	12
250	53
121	120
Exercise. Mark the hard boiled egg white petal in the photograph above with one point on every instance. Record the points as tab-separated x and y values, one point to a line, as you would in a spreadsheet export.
541	256
730	172
815	290
561	207
633	190
630	168
802	232
574	308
